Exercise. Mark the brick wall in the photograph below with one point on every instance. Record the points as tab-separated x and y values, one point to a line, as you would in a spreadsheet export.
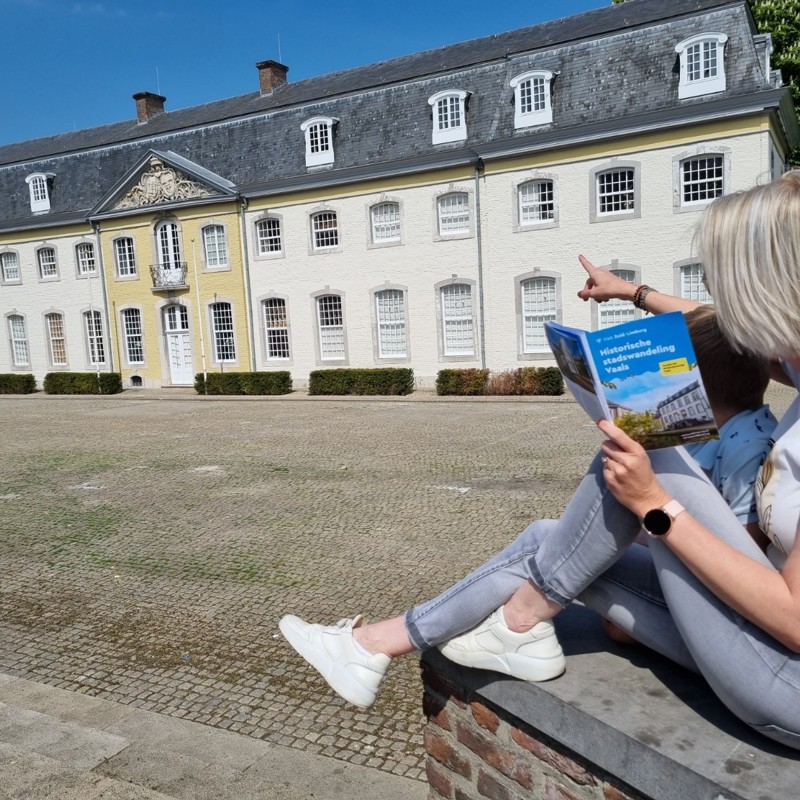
475	751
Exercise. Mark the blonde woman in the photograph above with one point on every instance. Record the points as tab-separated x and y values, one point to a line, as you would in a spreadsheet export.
704	595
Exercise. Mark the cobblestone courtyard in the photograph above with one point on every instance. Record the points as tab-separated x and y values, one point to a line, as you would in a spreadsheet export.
149	546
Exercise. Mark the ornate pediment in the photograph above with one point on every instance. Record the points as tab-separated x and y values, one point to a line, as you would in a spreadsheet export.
161	183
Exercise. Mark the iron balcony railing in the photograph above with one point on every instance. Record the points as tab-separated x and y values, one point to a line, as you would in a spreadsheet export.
169	276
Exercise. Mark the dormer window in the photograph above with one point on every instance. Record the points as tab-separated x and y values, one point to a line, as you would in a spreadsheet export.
532	99
319	140
702	65
449	116
39	186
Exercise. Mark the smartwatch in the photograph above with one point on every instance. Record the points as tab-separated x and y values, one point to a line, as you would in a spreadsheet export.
658	521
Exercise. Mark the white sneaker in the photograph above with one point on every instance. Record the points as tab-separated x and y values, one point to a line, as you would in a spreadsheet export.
333	652
534	655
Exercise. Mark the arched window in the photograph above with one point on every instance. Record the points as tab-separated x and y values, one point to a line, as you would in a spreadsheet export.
532	98
84	255
95	345
330	326
614	312
9	263
223	332
319	140
702	64
458	325
18	338
269	239
449	116
39	188
390	312
385	222
539	303
56	342
215	246
536	202
134	338
453	214
48	266
276	329
124	257
324	230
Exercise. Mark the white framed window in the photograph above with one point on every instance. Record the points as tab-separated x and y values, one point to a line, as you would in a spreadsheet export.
169	245
324	230
56	341
269	238
215	246
223	332
702	64
702	179
18	338
276	329
84	256
452	211
384	220
319	140
615	191
39	188
532	104
538	304
614	312
133	335
692	283
449	116
95	344
390	315
48	265
536	202
458	323
330	327
125	257
9	264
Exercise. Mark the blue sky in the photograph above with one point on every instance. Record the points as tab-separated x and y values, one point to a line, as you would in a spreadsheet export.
73	65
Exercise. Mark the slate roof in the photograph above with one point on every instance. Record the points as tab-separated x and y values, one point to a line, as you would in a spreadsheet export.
611	65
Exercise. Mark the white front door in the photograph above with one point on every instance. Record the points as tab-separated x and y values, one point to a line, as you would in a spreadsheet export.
179	345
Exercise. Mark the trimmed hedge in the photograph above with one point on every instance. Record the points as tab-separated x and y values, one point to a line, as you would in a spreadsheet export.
244	383
462	381
388	380
523	381
82	383
12	383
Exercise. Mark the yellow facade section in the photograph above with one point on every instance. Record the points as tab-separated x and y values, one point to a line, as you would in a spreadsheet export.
176	321
38	235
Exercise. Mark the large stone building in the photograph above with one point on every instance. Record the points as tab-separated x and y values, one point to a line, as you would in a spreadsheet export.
425	211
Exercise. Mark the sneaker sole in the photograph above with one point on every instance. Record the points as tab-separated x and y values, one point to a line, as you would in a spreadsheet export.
522	667
336	676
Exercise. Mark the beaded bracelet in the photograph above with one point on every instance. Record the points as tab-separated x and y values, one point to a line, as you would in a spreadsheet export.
640	294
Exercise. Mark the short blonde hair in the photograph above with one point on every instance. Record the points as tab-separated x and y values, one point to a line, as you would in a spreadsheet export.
749	245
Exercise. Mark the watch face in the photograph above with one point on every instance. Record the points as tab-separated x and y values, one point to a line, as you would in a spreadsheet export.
657	522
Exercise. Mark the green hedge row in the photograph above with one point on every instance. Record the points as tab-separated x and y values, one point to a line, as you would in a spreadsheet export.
523	381
243	383
11	383
390	380
82	383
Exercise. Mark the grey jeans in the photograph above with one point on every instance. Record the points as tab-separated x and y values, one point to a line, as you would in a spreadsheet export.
589	554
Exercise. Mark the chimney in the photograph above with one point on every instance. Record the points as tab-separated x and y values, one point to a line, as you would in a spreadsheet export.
148	105
271	75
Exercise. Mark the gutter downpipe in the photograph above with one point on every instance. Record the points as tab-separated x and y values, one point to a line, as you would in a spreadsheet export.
479	173
246	270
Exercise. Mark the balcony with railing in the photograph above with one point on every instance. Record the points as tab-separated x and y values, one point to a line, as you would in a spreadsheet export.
169	276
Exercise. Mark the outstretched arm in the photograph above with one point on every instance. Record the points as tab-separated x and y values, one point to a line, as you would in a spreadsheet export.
602	285
768	598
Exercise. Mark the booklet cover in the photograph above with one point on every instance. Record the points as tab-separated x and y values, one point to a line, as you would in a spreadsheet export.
642	375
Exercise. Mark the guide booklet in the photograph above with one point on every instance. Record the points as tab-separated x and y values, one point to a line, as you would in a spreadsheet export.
642	375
